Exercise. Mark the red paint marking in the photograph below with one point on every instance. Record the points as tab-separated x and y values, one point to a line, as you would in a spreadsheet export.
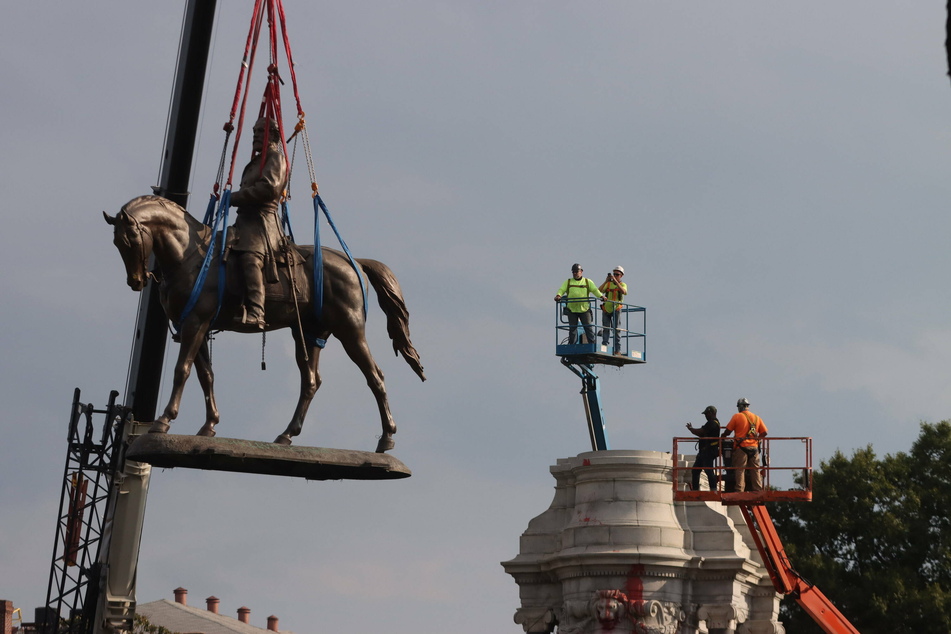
585	463
634	587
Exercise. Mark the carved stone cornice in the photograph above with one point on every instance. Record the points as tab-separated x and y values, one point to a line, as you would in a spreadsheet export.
589	569
532	577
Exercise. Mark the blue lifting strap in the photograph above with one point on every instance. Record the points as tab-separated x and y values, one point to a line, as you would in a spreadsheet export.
319	260
214	220
286	221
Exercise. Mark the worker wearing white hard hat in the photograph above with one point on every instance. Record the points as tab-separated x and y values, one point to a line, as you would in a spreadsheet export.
614	295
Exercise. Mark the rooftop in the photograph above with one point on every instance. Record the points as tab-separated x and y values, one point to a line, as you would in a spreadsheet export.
190	620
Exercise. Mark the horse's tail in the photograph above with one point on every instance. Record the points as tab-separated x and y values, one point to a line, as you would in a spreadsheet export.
390	296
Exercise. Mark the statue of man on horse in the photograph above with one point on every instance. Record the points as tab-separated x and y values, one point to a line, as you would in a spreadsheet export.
149	225
241	288
257	227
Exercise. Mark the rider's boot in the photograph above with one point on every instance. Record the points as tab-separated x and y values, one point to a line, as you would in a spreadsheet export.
252	266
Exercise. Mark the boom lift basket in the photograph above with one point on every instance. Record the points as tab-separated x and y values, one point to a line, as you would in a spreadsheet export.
630	334
786	471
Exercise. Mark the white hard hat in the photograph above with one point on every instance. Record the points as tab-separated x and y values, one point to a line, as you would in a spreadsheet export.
619	268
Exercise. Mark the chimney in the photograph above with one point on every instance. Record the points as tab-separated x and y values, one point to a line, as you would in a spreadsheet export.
272	623
45	620
181	596
244	614
6	617
212	603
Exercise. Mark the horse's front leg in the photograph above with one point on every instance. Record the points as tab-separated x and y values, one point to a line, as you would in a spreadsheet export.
206	376
193	336
359	352
308	359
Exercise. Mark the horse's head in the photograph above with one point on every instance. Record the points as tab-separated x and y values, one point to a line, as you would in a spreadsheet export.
135	246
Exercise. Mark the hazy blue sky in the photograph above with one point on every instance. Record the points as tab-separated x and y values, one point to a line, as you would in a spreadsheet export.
772	175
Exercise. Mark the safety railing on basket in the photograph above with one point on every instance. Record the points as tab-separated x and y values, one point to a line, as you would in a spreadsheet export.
584	323
784	465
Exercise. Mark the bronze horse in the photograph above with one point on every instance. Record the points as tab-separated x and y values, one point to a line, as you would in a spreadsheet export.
152	225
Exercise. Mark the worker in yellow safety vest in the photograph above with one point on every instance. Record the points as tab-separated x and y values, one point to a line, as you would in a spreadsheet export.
614	291
576	289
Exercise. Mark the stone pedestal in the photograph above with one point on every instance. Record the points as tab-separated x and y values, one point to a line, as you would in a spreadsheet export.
615	553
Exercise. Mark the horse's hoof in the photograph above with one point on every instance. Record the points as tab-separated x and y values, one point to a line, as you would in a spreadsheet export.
207	430
158	427
386	443
283	439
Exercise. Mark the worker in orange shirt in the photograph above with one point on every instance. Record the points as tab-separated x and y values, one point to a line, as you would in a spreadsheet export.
748	429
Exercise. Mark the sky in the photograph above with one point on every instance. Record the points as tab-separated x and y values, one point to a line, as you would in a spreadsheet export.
772	176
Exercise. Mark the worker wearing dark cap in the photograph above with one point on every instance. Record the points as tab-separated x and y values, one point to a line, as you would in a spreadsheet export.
708	448
576	289
748	429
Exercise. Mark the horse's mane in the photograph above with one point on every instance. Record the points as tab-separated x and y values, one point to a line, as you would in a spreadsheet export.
139	207
136	205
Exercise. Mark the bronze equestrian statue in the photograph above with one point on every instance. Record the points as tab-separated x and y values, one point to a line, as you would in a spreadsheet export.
152	225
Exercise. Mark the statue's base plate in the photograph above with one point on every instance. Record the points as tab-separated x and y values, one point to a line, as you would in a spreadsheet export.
249	456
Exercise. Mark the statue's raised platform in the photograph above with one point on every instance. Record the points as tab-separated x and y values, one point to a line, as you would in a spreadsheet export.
616	552
249	456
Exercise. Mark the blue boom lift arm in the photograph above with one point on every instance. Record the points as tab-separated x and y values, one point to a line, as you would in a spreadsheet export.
591	393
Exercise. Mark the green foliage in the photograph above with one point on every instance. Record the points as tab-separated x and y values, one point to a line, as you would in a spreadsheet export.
141	625
877	538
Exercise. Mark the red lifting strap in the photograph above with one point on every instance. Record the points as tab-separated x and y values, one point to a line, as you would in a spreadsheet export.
290	59
273	11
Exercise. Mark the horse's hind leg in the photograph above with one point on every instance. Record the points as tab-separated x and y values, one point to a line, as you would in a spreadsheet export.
308	358
206	377
359	352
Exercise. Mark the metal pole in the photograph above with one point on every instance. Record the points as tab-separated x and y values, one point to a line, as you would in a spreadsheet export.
126	515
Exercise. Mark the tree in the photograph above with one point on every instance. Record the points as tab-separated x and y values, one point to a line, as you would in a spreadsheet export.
142	625
877	538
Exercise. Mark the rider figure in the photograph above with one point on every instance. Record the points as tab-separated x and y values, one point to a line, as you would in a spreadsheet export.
257	227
